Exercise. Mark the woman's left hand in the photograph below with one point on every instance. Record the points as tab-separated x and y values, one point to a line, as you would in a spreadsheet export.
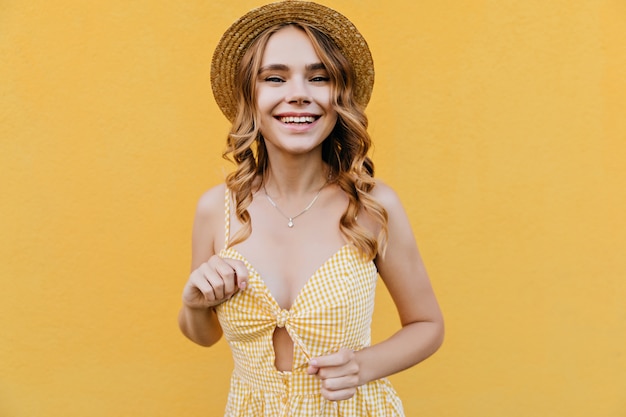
339	373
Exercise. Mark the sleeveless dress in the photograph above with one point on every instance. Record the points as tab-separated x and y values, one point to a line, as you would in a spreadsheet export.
333	310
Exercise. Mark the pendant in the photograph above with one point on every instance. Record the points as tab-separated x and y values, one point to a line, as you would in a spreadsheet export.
290	224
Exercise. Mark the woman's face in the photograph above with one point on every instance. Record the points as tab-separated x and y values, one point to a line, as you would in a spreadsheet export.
293	94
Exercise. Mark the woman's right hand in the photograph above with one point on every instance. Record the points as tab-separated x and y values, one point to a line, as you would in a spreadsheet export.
214	282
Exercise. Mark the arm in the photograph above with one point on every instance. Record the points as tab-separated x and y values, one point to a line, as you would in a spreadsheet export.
213	280
404	275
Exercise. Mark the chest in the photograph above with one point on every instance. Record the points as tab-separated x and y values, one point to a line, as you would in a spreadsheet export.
285	257
286	267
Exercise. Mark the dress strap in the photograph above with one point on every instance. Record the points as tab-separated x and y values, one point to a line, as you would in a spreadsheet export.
226	216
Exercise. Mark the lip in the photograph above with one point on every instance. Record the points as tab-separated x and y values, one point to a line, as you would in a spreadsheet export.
297	127
296	114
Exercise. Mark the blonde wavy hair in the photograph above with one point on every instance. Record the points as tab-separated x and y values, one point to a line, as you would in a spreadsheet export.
345	150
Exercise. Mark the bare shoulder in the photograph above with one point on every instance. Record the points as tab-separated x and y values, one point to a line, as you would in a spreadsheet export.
211	202
208	225
386	196
399	231
389	200
401	267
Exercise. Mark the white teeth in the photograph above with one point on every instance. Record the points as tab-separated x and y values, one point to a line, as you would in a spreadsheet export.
301	119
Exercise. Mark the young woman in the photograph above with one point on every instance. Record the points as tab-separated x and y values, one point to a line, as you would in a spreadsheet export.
286	254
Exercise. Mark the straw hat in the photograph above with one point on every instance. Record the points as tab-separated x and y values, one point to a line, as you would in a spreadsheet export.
238	38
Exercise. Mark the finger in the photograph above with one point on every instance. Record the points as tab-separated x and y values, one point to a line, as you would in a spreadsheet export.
339	358
312	370
207	292
221	276
338	395
228	278
340	383
217	283
241	272
202	285
350	368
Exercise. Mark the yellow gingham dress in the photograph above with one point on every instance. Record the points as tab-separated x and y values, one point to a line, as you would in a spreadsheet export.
333	310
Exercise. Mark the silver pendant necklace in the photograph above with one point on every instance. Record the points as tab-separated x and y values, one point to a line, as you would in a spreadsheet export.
292	218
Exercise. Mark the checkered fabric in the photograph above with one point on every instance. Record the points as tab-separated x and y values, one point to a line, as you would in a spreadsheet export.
333	310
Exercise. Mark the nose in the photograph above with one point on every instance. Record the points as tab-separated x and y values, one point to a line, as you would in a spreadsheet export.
298	92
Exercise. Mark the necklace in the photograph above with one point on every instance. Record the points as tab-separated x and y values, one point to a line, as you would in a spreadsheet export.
292	218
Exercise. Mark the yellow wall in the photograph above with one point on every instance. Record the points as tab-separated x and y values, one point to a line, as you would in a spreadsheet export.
501	124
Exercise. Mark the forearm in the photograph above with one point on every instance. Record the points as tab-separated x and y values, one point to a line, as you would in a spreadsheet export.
200	325
409	346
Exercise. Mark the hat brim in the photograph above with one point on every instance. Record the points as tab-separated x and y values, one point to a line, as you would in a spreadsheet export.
238	38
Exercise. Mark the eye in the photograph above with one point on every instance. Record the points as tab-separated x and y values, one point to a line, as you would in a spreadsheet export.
320	79
274	79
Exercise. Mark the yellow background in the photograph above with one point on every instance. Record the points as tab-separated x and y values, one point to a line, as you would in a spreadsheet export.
502	125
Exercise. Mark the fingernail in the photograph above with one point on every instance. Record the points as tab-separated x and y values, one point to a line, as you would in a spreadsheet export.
243	285
313	362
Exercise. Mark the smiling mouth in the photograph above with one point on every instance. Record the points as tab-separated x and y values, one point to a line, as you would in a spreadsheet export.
298	119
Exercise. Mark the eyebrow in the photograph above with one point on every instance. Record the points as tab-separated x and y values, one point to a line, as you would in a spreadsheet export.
281	67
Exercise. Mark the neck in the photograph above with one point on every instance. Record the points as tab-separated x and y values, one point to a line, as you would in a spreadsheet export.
297	180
